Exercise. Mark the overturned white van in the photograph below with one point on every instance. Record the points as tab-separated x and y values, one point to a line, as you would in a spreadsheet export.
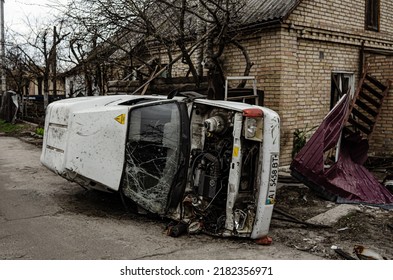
212	165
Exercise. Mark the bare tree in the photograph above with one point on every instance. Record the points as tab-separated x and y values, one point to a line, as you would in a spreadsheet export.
16	69
130	28
45	46
39	52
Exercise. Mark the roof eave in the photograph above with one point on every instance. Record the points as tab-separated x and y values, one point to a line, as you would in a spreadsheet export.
261	25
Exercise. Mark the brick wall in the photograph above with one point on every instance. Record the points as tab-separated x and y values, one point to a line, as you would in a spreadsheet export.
295	79
346	16
294	63
317	61
327	37
270	52
381	67
305	82
264	52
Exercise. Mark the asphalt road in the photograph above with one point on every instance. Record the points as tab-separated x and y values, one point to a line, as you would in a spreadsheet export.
43	216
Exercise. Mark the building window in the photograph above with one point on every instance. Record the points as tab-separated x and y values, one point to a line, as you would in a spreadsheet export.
372	15
342	83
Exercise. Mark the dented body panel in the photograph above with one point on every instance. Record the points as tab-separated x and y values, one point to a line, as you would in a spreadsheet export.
210	164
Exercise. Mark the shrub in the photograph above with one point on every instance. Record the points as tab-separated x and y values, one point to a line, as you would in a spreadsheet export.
39	131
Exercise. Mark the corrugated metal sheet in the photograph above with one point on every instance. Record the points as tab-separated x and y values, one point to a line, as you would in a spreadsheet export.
256	11
347	180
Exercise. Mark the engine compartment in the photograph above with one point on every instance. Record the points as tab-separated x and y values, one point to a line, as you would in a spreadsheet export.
212	148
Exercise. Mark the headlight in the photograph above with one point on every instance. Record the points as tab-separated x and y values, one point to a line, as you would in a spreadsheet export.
251	127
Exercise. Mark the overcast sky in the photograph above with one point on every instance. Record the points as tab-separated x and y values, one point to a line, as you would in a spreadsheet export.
18	12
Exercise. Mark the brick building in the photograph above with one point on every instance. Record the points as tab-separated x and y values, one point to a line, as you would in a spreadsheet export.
299	47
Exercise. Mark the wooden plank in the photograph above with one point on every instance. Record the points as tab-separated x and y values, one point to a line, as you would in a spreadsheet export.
363	117
376	82
370	100
372	91
359	126
366	108
147	85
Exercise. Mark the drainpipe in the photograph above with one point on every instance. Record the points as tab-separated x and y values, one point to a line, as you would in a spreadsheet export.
361	60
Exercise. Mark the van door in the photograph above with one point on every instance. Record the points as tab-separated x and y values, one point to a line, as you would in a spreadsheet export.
153	155
93	144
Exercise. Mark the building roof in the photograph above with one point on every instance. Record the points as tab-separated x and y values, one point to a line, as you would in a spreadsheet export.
254	13
257	11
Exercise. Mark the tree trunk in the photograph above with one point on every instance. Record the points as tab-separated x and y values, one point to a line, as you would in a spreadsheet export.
54	62
88	84
39	84
6	109
46	91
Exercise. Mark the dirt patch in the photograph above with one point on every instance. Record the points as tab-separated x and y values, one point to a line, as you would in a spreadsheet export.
370	227
25	131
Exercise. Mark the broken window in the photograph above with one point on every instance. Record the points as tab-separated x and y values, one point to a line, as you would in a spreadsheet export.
152	155
342	83
372	15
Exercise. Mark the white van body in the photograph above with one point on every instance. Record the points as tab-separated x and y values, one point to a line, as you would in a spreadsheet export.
210	164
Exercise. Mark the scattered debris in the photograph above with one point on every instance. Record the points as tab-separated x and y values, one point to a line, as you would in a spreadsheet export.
176	229
305	249
344	179
195	227
330	217
388	183
367	226
342	253
292	219
366	254
267	240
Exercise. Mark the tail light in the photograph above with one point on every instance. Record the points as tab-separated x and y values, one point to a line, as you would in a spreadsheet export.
253	113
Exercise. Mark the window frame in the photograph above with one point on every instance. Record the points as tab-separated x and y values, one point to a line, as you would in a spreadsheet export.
179	177
341	75
372	15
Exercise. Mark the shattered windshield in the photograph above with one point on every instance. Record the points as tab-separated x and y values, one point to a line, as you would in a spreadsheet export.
152	154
